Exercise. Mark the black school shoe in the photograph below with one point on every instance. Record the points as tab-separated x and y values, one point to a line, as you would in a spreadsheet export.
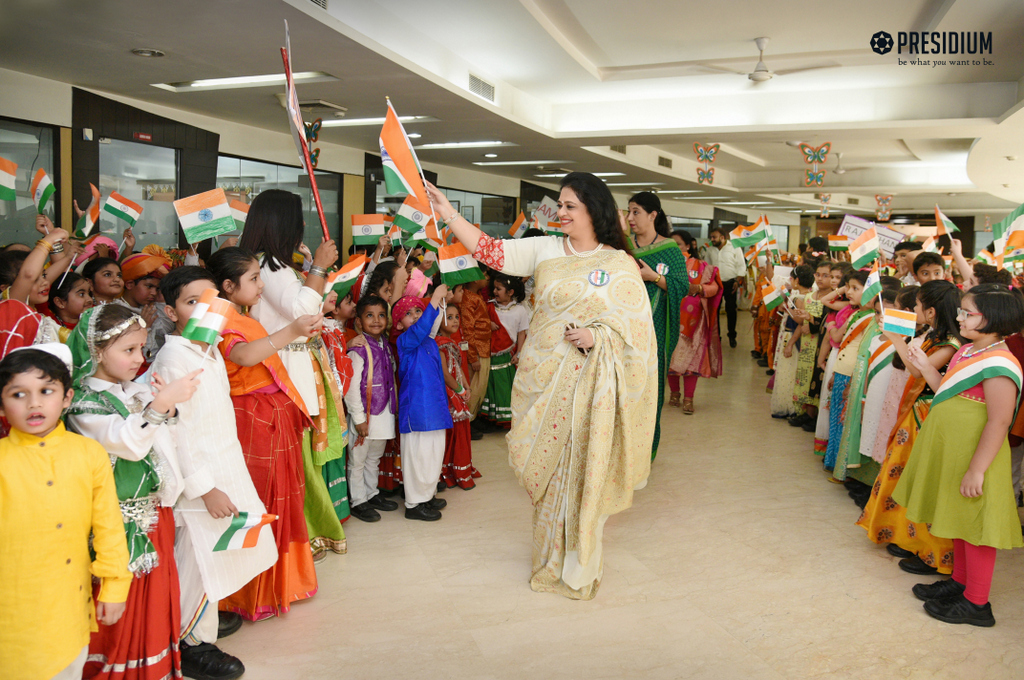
915	565
436	503
206	662
897	551
957	609
423	512
939	590
378	502
364	513
762	362
228	623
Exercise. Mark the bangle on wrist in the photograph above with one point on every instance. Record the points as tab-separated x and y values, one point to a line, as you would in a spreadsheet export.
46	244
154	417
276	349
454	216
317	270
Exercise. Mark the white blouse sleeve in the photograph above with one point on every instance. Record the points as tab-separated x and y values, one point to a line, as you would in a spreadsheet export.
129	438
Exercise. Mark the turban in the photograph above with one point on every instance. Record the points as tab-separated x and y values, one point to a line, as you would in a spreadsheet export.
404	305
141	265
418	284
90	248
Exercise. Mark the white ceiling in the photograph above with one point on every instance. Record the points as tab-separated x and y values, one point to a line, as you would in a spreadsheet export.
574	76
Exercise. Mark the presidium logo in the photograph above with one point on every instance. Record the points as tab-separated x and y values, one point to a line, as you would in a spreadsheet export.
956	44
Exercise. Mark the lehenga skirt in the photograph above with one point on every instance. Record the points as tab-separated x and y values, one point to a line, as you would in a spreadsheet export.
270	430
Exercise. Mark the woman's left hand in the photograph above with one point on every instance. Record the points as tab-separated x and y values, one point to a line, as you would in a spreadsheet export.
646	273
972	483
442	206
581	338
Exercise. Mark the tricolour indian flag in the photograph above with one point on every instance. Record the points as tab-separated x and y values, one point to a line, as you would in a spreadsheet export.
554	229
899	321
872	287
770	297
204	215
208	318
342	280
744	237
123	209
929	245
838	242
91	217
367	229
944	224
394	233
1014	255
41	189
402	172
239	212
457	265
518	227
864	250
986	257
243	532
412	215
8	173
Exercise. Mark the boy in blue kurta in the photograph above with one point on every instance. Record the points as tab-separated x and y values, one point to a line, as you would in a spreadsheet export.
423	414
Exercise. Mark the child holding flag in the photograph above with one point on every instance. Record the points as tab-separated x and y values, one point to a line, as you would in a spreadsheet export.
837	311
787	348
937	307
372	403
457	468
217	485
807	386
423	414
271	417
958	479
134	422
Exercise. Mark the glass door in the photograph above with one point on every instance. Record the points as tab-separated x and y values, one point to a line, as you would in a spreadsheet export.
147	175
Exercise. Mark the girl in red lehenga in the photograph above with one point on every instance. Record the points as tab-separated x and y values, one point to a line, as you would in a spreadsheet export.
458	445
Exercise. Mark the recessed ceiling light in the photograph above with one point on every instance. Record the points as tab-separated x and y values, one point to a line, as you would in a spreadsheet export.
679	191
413	135
147	52
494	163
355	122
702	198
462	145
490	155
634	184
595	174
746	203
245	81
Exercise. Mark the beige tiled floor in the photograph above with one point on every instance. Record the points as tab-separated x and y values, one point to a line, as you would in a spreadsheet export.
738	561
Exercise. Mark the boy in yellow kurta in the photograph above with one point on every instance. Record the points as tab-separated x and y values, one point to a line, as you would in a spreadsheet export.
55	488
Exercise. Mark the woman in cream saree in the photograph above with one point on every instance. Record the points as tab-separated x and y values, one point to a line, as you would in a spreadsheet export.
584	398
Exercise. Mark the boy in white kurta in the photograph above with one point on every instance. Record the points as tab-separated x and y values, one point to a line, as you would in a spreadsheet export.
216	481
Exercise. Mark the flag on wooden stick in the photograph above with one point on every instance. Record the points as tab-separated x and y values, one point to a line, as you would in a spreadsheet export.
457	265
239	212
91	217
864	250
944	225
208	319
41	189
243	532
123	209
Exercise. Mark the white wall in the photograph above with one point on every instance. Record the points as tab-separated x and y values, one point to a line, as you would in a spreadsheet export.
34	99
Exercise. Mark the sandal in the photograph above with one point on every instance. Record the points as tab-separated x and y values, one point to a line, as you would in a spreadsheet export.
688	407
673	400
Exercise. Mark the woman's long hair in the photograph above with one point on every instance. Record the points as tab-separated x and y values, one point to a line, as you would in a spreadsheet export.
652	204
600	205
944	298
274	227
692	247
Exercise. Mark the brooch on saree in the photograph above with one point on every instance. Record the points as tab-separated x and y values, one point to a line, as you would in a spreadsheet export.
599	277
661	268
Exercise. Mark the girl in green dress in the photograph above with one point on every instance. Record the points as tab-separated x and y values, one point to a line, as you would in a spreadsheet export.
663	269
958	478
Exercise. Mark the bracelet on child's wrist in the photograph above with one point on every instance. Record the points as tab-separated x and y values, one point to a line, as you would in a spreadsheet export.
154	417
317	270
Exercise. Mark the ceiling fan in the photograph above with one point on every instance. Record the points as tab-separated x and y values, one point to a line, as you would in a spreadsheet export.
840	170
761	72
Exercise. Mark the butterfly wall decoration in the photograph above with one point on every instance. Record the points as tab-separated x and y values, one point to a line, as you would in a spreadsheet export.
814	156
883	211
312	135
825	198
706	155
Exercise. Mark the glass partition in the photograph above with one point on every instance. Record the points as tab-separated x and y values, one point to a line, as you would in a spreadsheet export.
147	175
31	147
494	214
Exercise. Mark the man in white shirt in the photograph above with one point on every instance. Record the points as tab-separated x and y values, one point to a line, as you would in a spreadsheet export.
732	267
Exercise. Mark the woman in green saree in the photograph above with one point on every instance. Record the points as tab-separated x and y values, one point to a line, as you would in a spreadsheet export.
663	269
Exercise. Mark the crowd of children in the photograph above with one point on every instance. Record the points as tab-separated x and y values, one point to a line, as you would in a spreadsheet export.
916	425
140	448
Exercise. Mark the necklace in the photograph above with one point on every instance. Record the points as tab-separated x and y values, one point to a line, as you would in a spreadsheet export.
968	354
636	240
587	253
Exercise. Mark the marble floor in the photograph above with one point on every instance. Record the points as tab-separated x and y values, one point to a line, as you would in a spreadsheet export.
737	561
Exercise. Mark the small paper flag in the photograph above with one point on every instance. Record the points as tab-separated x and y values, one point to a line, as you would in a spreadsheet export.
208	318
41	189
899	321
204	215
243	532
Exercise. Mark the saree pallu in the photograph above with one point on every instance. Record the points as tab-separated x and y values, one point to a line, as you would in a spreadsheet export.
699	348
666	259
270	430
143	644
848	460
323	454
883	518
583	424
808	376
